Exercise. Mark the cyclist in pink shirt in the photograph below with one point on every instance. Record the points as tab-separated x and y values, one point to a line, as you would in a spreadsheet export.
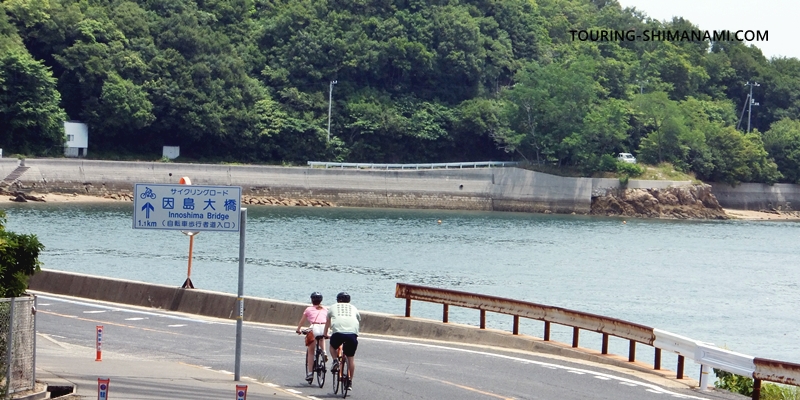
317	316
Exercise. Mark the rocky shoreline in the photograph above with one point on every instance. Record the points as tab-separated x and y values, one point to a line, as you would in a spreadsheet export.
684	202
21	197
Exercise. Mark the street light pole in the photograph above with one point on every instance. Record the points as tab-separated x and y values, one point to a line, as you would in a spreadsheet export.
751	103
330	101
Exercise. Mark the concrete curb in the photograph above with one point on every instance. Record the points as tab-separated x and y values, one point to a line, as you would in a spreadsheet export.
223	305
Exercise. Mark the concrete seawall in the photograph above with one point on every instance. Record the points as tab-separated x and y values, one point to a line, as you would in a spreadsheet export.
489	189
223	305
758	196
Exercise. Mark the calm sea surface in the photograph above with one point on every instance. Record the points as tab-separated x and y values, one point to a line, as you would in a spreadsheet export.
732	283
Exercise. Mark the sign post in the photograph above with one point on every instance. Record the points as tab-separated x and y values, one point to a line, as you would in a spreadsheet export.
241	392
195	208
102	388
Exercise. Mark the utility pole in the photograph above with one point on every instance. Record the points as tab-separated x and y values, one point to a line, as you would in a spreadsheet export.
641	86
751	103
330	101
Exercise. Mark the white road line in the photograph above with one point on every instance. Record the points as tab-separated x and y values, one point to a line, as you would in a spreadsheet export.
571	371
176	326
273	385
134	319
653	391
94	311
605	378
293	391
130	310
624	381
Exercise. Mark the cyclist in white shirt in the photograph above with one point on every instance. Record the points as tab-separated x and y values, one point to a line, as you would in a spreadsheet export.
344	321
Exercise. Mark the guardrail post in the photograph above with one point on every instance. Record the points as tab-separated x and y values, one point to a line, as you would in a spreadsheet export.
483	319
575	333
445	308
546	331
515	330
408	306
605	343
704	377
756	389
657	362
680	367
632	351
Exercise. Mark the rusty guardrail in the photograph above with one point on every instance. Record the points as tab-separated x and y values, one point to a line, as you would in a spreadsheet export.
760	369
774	371
632	332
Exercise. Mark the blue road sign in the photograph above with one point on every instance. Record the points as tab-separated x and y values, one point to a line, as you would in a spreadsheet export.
186	207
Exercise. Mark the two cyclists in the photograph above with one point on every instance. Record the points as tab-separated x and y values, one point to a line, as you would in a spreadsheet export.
344	320
317	316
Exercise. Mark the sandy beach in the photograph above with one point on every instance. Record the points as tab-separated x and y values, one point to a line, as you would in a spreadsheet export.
762	215
77	198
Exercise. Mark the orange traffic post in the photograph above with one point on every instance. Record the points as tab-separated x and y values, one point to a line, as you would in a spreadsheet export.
99	343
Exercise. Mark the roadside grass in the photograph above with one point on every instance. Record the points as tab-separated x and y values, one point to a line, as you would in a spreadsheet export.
661	172
666	171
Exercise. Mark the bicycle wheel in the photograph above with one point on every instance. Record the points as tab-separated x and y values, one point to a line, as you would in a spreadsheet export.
319	367
335	380
345	376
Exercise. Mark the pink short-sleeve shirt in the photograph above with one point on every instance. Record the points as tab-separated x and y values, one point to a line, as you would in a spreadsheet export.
315	316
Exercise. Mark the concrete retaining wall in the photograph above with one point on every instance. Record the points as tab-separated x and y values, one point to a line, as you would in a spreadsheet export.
609	183
500	189
223	305
758	196
491	189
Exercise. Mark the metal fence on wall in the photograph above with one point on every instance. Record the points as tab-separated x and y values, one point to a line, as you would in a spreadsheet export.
455	165
18	343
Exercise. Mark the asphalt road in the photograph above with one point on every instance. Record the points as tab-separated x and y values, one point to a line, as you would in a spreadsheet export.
387	367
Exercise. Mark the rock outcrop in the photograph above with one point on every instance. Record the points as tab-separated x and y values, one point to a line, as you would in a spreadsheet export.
684	202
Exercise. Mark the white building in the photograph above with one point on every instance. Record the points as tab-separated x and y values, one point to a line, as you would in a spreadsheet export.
77	139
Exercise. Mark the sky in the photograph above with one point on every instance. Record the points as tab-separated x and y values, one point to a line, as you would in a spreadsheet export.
778	17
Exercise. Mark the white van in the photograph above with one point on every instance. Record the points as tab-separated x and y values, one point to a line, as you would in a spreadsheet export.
626	157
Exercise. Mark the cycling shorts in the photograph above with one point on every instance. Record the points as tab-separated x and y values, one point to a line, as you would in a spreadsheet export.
350	341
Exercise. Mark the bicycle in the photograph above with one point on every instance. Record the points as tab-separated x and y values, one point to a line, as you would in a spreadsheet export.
148	193
341	374
319	360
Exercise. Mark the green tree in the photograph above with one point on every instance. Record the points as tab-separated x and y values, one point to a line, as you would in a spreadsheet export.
549	104
782	142
19	260
30	117
738	157
664	121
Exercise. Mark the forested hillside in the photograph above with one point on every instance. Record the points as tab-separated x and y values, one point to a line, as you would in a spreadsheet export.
417	81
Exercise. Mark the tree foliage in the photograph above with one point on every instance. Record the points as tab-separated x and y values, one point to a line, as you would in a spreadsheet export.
19	260
418	81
